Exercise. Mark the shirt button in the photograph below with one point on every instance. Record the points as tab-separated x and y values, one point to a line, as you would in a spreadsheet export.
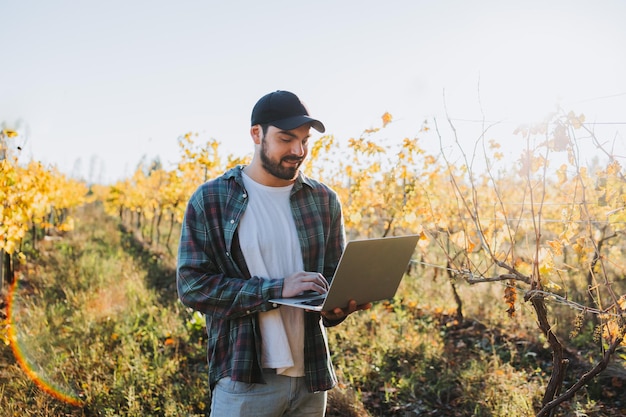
248	312
245	195
232	222
274	305
228	254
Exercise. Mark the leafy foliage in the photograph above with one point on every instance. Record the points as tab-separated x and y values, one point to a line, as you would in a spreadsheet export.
32	196
544	242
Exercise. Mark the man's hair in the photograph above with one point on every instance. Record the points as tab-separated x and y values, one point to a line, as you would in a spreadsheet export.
264	128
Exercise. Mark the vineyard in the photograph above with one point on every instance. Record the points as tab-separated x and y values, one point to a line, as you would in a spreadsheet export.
514	303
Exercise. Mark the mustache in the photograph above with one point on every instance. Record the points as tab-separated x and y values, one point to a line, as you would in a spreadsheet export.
292	159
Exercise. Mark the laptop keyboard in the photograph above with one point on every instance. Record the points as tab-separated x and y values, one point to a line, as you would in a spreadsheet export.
314	302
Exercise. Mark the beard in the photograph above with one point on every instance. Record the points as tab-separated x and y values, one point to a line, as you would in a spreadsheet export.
275	167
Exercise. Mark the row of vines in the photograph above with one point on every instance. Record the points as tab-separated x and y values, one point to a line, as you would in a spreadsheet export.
35	201
551	234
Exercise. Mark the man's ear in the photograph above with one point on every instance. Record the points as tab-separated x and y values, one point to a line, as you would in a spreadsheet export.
256	132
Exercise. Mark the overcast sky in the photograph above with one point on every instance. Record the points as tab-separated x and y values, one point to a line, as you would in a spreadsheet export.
97	86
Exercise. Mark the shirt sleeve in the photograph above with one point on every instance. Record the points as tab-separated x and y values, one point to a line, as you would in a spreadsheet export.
205	286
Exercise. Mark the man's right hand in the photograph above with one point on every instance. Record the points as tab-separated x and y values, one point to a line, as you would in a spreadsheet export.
304	281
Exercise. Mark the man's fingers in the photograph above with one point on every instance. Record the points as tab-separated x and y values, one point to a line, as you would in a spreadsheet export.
338	312
305	281
319	282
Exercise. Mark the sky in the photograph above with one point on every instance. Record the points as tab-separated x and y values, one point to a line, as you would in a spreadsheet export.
94	87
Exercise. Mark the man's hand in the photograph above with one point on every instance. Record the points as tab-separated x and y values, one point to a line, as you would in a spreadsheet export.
304	281
340	313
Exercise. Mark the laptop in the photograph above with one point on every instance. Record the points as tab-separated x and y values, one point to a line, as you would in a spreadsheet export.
369	270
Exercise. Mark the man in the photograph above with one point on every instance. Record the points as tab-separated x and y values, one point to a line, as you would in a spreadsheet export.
260	232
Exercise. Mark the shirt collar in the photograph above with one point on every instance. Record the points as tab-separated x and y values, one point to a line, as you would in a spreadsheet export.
236	173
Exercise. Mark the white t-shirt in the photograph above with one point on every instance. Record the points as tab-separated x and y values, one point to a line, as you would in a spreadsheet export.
270	246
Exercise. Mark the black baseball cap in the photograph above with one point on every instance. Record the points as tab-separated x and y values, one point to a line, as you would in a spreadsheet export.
284	110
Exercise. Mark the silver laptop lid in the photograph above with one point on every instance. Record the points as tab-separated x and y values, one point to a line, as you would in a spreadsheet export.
369	270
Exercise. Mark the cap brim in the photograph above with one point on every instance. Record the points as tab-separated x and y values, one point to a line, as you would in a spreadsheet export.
297	121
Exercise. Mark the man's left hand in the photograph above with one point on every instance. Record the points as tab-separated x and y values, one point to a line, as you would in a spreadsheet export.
341	313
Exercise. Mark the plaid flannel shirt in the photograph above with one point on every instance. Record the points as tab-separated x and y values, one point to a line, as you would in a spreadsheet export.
212	276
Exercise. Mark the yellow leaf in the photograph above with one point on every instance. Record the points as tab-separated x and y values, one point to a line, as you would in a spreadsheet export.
556	246
523	267
493	144
423	240
552	286
614	168
9	133
576	121
386	119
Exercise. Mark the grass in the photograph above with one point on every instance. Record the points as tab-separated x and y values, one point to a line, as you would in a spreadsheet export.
92	323
410	357
97	321
403	359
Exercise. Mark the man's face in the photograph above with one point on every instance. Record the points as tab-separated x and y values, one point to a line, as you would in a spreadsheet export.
283	151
